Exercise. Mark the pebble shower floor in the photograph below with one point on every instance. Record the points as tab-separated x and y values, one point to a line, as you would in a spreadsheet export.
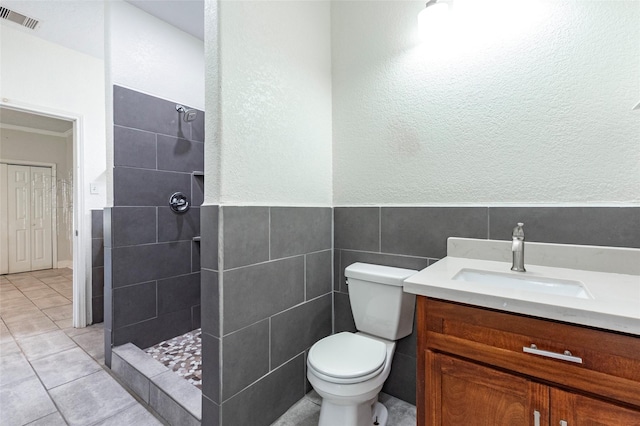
183	355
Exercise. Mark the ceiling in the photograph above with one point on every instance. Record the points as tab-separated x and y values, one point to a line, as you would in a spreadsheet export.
33	121
75	24
79	24
187	15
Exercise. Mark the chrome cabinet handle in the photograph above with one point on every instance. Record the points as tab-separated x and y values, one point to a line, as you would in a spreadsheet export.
536	418
566	356
564	423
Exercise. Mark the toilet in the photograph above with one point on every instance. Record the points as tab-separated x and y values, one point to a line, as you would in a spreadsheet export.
348	370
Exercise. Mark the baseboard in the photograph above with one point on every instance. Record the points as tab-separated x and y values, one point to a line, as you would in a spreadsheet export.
65	264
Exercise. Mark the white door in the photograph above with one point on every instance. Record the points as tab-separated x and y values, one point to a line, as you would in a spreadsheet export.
19	204
29	218
41	250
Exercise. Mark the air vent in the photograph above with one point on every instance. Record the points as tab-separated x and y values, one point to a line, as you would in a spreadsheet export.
18	18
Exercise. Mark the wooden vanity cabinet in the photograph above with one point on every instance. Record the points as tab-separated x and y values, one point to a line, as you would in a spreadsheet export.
473	394
473	370
577	409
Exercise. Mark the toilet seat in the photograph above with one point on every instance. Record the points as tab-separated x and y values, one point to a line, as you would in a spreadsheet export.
347	358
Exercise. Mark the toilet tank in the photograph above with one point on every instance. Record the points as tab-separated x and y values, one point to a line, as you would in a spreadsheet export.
380	307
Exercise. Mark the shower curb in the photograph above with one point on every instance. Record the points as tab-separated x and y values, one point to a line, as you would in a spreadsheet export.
177	401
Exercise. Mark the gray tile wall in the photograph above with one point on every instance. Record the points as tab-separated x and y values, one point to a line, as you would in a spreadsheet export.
210	315
263	307
97	266
414	237
153	277
259	320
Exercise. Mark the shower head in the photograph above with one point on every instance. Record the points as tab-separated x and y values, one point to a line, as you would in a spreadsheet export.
189	114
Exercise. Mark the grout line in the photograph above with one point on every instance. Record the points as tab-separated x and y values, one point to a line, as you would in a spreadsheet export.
188	240
262	377
270	344
329	293
386	254
379	229
220	289
155	288
177	172
333	271
220	277
156	150
269	228
264	262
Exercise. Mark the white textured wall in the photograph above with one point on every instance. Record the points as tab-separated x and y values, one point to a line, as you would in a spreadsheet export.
153	57
275	70
146	54
40	74
39	148
212	146
531	107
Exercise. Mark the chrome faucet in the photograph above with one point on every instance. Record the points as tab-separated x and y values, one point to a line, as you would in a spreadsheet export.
517	248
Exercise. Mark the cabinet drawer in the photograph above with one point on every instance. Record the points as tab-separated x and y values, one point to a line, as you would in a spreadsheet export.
593	361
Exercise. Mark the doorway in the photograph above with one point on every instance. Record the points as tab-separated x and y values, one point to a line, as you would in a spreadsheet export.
39	206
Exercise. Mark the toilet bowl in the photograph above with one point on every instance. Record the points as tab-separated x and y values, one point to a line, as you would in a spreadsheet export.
350	391
347	369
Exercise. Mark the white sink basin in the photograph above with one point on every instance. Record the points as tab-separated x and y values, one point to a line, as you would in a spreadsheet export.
522	281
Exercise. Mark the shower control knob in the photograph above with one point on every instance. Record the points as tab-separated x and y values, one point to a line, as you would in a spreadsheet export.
178	202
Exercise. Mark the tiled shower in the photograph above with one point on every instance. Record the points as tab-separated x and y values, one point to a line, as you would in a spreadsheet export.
152	258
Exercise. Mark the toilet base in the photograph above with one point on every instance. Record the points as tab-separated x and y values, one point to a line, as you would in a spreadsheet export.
380	414
365	414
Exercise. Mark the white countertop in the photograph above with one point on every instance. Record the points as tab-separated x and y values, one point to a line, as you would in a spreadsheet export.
616	297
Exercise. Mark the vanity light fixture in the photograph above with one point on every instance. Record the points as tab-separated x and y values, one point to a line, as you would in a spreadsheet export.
433	17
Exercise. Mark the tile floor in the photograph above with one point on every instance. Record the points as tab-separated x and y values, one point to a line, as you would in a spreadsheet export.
182	355
306	412
51	373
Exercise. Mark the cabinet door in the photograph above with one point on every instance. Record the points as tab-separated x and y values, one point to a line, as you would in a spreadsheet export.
570	409
465	393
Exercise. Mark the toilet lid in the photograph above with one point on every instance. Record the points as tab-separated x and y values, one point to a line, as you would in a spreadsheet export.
347	355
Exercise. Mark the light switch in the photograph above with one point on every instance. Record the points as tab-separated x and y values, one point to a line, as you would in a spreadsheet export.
93	188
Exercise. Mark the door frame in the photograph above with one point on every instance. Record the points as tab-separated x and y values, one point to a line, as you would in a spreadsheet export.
54	204
81	243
